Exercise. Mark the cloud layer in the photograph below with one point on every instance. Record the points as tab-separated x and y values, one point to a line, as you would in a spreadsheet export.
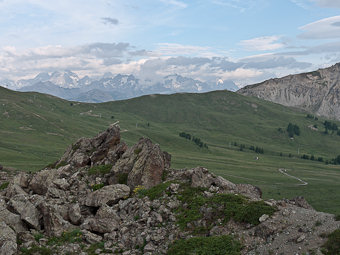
327	28
99	58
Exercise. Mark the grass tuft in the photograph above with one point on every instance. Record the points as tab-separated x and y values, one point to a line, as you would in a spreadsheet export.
221	206
332	246
154	192
213	245
4	185
74	236
100	170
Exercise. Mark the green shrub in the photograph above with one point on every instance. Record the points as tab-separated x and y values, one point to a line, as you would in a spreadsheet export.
122	178
137	151
224	206
154	192
97	186
92	249
62	163
337	217
213	245
332	246
251	212
4	185
38	236
74	236
100	170
34	250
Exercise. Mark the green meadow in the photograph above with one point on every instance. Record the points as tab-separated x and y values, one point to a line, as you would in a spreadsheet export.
35	130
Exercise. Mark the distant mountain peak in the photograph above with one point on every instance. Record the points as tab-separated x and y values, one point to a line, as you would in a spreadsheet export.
67	84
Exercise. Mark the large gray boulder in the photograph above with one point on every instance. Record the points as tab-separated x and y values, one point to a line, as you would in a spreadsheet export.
11	219
54	224
107	195
143	163
27	211
8	240
41	181
105	148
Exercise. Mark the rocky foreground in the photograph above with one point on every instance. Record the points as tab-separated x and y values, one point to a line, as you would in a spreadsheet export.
102	197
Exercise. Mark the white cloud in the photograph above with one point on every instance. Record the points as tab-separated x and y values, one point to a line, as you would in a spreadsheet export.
97	58
241	5
304	4
175	3
322	29
264	43
328	3
175	49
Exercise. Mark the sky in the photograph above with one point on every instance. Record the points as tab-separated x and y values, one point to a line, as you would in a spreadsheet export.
245	41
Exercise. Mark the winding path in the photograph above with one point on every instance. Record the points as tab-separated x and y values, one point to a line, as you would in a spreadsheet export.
284	171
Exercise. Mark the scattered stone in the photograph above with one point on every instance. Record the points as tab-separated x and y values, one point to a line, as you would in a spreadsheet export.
300	239
263	218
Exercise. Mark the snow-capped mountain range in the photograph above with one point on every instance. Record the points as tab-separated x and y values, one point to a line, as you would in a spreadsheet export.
110	87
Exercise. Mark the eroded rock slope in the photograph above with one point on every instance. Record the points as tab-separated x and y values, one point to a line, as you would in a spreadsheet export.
317	92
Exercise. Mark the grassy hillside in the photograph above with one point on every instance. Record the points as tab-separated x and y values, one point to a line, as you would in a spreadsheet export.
35	129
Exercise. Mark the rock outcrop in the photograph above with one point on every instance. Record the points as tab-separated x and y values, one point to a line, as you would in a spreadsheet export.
317	92
129	201
105	148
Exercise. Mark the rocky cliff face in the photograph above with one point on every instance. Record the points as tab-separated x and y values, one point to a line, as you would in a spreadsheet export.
317	92
102	197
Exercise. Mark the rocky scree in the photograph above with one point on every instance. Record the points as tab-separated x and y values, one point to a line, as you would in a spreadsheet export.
102	197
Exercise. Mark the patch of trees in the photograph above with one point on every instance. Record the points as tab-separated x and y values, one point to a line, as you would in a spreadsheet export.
312	157
334	161
330	126
293	129
256	149
311	116
196	140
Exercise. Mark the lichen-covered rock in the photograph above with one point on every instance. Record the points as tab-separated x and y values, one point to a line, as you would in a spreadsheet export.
107	195
144	164
27	211
105	148
54	224
41	181
201	178
105	221
249	190
14	189
74	214
11	219
8	240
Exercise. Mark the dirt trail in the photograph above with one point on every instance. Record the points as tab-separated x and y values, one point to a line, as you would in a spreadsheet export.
284	171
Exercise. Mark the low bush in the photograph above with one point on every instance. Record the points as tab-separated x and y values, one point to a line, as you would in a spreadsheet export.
332	246
154	192
100	170
224	207
97	186
4	185
213	245
36	250
74	236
